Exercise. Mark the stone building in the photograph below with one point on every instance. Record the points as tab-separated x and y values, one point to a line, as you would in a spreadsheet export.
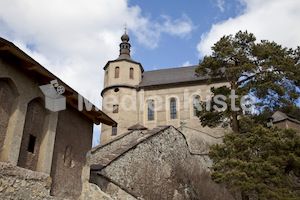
134	97
47	149
283	121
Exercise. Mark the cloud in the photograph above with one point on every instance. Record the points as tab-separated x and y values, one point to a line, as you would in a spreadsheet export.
74	39
185	64
274	20
220	5
149	33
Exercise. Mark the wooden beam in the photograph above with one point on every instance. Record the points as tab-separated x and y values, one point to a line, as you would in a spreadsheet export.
4	48
32	67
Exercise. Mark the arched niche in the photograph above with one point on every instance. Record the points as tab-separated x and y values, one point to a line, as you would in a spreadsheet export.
8	100
32	134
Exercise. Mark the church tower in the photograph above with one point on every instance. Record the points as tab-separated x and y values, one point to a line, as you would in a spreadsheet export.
119	94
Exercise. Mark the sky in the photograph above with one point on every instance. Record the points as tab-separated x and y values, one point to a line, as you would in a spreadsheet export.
74	39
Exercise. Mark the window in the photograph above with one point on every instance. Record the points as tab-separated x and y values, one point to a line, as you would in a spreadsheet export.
117	71
31	143
173	109
196	105
150	110
114	130
115	108
131	73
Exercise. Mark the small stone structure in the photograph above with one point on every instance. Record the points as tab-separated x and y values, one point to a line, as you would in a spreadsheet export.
283	121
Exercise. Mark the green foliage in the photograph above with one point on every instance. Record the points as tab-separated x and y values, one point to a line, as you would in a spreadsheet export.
266	70
254	160
292	111
258	162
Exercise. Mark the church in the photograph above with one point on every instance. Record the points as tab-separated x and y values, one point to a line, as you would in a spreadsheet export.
158	149
141	100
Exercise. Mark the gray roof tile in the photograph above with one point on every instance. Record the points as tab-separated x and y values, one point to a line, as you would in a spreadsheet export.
169	76
279	116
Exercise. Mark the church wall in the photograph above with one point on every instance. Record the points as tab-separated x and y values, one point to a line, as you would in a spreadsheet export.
73	140
184	95
126	99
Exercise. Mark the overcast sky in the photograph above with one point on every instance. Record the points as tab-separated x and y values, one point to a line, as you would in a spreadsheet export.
75	38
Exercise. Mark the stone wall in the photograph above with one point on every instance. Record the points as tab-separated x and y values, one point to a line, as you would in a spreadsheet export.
161	167
18	183
287	124
102	150
113	189
91	191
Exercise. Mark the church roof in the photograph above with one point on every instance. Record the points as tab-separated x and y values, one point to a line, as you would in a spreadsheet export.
171	76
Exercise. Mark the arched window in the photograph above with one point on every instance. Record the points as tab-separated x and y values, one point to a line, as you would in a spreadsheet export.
173	111
196	105
115	108
117	71
150	110
131	73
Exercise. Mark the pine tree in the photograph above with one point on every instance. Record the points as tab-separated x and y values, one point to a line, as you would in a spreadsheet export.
259	163
253	160
265	70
